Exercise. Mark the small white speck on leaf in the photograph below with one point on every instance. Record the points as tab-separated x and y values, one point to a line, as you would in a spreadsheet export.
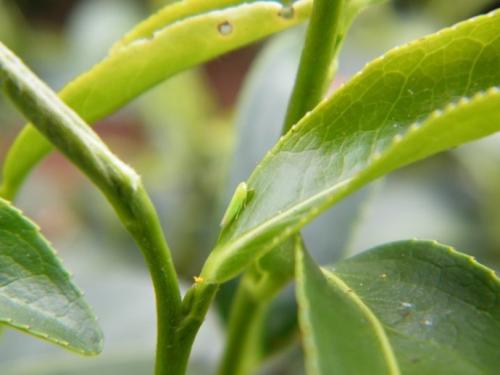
225	28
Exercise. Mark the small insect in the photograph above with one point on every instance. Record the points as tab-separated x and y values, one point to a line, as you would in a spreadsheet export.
240	198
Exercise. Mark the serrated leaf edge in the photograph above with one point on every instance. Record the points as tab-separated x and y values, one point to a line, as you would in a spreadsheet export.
69	277
356	77
346	186
315	211
450	249
488	273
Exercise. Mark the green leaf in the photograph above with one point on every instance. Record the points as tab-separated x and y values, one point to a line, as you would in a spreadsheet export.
141	63
260	114
36	293
176	12
263	100
381	120
440	308
340	334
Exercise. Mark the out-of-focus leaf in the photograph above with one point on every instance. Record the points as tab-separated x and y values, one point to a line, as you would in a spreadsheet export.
340	334
392	114
36	293
480	161
177	12
440	308
263	102
181	36
9	21
136	66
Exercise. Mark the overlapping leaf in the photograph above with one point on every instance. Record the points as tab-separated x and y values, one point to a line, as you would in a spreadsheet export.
261	112
138	64
260	116
439	308
36	293
340	334
393	113
176	38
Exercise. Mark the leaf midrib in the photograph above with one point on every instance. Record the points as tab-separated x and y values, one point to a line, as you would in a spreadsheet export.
330	196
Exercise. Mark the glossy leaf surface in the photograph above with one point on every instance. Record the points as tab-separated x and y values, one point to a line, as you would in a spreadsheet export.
340	334
260	115
439	308
395	112
36	293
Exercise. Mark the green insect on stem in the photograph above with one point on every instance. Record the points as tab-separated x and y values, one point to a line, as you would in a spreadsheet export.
240	198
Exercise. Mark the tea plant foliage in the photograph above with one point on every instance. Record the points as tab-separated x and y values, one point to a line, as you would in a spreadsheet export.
143	59
174	39
439	308
340	334
413	306
415	101
36	292
261	112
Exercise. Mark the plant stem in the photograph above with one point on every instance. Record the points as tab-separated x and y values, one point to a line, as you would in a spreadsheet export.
257	288
148	234
323	38
244	331
118	182
194	309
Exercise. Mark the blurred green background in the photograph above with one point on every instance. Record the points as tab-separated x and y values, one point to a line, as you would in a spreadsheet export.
193	139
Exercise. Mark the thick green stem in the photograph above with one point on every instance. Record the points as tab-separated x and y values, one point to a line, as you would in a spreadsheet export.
118	182
145	227
194	309
244	331
257	288
323	38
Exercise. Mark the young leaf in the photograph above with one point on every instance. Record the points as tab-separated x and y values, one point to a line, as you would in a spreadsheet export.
36	293
440	308
176	12
179	37
340	334
381	120
141	63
